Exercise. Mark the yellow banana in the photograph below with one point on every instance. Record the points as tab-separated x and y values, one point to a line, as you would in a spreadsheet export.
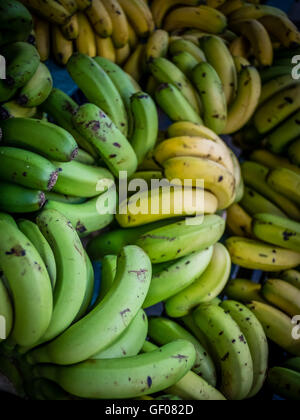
266	158
243	290
239	221
140	16
283	295
105	48
134	65
160	8
157	45
51	10
282	28
61	47
86	42
240	47
42	37
71	28
83	4
100	19
120	34
122	54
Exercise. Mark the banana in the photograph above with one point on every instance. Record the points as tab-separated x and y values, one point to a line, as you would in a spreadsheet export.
217	178
267	74
246	100
255	176
85	158
178	276
6	310
126	377
276	85
184	239
285	182
240	47
133	38
256	339
64	198
71	29
182	45
37	90
293	364
8	218
122	54
12	109
163	331
129	291
220	58
231	350
239	221
62	47
185	62
165	71
145	130
86	41
164	203
282	28
282	295
175	105
42	37
120	34
104	135
266	158
160	9
89	290
100	19
212	96
278	231
83	4
15	22
147	176
205	288
31	289
130	342
243	290
276	110
51	10
283	135
79	180
157	45
98	88
277	325
33	233
140	17
237	172
294	153
231	6
204	18
186	128
90	216
240	63
285	382
17	199
256	255
255	11
58	144
292	277
255	203
109	269
105	48
61	107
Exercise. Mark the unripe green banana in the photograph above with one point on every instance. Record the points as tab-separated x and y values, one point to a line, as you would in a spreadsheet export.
285	382
15	22
51	196
87	336
243	290
163	331
111	144
205	288
182	238
37	90
278	231
231	350
268	159
130	342
8	218
33	233
282	295
109	269
275	85
17	199
89	290
284	134
98	88
6	310
27	169
85	158
255	203
26	133
79	180
12	109
127	377
183	45
29	283
145	121
189	322
256	339
90	216
286	182
186	62
293	364
212	96
6	92
292	277
177	276
174	104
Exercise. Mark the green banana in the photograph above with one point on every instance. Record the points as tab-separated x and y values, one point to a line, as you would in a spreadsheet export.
91	216
33	233
29	283
9	369
274	86
109	269
27	169
243	290
12	109
268	159
278	231
98	88
37	90
79	180
26	133
177	276
51	196
163	331
125	298
183	45
8	218
111	144
186	62
256	339
189	322
285	182
293	364
61	107
127	377
130	342
6	310
182	238
294	152
174	104
6	92
17	199
257	255
231	350
292	277
89	290
205	288
255	203
85	158
285	382
15	22
212	96
277	325
282	295
280	138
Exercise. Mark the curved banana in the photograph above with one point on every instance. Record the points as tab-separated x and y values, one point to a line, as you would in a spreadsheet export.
15	22
186	128
183	45
12	109
62	47
42	37
100	19
266	158
157	45
255	203
239	221
286	182
105	48
205	288
160	9
70	29
140	16
282	295
109	269
255	11
185	62
282	28
86	41
37	90
17	199
292	277
51	10
120	33
276	85
285	382
134	66
243	290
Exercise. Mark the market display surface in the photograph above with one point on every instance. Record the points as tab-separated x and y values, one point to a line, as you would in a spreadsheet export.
174	165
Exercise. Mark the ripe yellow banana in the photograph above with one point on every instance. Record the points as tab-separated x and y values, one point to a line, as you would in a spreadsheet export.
281	28
140	16
286	182
86	42
42	37
120	34
61	47
134	65
51	10
122	54
105	48
157	45
160	9
100	19
239	221
283	295
70	29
